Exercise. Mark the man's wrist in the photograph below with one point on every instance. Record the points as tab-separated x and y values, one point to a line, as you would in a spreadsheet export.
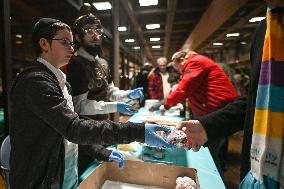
166	107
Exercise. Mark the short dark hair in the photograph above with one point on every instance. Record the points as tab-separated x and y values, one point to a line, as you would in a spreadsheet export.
46	28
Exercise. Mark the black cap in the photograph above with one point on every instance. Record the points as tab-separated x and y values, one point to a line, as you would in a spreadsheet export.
84	20
40	26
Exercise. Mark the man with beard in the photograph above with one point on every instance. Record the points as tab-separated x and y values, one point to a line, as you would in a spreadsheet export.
88	74
93	92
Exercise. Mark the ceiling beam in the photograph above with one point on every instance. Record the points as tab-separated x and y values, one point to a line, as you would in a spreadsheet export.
172	4
187	10
217	13
151	11
76	4
130	13
155	11
238	25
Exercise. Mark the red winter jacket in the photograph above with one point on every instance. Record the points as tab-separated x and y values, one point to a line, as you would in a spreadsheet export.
155	87
205	85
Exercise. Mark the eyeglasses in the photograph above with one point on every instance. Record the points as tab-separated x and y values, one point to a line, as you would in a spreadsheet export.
92	31
65	42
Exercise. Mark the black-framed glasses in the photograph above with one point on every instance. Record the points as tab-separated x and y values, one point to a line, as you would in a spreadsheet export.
65	42
92	31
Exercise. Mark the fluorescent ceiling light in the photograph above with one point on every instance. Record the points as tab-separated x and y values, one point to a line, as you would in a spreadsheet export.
155	39
102	5
152	26
148	2
257	19
122	28
243	43
233	34
156	46
19	36
217	44
136	48
129	40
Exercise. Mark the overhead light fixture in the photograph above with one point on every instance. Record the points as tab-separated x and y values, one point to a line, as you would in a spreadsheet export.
102	5
19	42
156	46
155	39
233	34
136	48
129	40
257	19
217	44
152	26
122	28
144	3
19	36
243	43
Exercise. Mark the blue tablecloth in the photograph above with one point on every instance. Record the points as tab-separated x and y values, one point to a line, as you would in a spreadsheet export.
209	177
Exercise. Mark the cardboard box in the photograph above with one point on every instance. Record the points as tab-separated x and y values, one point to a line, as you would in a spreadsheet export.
141	173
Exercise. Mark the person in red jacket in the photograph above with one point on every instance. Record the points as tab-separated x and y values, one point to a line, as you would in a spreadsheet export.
208	89
203	82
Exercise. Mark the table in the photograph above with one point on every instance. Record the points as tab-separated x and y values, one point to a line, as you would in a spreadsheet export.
209	177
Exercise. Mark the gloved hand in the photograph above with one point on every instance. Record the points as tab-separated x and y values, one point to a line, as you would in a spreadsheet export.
136	93
152	139
125	108
133	101
116	156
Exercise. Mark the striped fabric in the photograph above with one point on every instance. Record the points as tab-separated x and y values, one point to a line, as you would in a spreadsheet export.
267	165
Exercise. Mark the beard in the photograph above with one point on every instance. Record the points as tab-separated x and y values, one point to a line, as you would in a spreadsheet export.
93	50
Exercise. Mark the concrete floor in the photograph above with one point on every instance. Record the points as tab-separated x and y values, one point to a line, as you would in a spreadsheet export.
232	173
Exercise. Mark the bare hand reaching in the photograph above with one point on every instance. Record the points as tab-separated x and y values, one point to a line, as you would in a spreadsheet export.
195	134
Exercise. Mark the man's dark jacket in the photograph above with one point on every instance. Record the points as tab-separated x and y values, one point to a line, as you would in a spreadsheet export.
239	114
41	119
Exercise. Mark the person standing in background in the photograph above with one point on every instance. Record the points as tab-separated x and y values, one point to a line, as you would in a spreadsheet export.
207	88
203	82
142	80
159	87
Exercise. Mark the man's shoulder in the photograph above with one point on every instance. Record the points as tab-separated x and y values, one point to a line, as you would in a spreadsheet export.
36	68
77	59
103	62
154	74
35	72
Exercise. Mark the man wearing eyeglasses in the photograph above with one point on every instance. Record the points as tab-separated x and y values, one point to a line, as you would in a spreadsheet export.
93	91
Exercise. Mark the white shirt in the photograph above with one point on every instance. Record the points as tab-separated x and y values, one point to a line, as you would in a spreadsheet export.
84	106
71	149
166	84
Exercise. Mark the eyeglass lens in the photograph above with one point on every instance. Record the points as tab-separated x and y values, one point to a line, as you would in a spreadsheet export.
92	31
66	43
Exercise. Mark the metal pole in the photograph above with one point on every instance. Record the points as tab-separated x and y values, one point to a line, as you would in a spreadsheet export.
115	61
123	78
115	51
5	54
127	69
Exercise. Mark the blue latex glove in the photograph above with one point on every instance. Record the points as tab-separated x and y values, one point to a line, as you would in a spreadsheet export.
136	93
133	101
152	139
124	108
116	156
